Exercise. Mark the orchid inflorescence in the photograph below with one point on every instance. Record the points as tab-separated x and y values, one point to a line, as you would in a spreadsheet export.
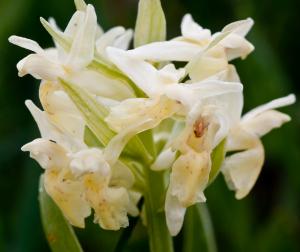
113	116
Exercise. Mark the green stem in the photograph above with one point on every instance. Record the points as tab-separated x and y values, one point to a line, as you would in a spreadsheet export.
198	230
159	236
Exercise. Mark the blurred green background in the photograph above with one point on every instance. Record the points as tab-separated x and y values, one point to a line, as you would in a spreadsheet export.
267	220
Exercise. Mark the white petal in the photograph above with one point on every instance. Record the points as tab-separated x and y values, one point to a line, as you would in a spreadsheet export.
191	30
116	145
40	67
277	103
174	214
26	43
170	74
61	111
190	94
69	196
123	41
164	160
74	24
111	204
241	170
51	132
134	198
48	154
190	173
167	51
108	38
82	50
107	102
236	46
136	70
208	64
99	85
240	28
264	122
89	161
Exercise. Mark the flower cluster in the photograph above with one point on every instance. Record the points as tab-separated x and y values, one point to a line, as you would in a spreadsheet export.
110	115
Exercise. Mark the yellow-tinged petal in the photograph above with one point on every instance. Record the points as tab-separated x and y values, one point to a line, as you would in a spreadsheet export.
60	110
110	203
242	169
68	194
189	177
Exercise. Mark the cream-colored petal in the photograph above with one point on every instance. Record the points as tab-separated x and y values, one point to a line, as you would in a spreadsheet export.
230	74
174	50
191	94
51	132
174	213
277	103
48	154
240	28
108	38
208	64
82	49
136	70
134	198
236	46
110	203
191	30
170	74
190	174
132	111
69	195
61	111
89	161
164	160
123	41
74	24
26	43
98	84
242	169
264	122
40	67
135	120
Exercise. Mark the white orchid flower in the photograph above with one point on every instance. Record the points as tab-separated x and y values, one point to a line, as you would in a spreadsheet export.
207	124
242	169
54	63
79	178
51	64
167	96
195	40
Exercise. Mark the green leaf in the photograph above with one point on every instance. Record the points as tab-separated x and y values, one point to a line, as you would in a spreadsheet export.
198	230
150	24
217	158
59	233
94	114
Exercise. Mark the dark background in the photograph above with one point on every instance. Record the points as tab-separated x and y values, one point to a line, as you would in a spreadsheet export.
267	220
